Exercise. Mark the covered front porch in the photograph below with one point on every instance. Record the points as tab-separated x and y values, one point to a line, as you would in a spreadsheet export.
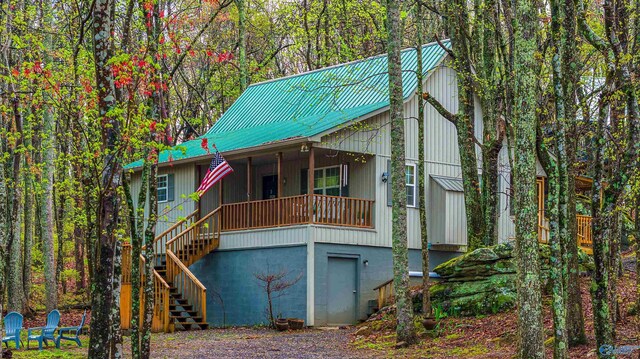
294	186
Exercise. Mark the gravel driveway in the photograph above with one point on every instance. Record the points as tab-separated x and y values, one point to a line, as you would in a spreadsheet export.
255	343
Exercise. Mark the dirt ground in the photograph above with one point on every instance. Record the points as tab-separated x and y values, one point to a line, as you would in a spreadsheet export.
491	336
257	343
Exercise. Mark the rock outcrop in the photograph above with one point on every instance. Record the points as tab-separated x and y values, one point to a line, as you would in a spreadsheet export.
484	281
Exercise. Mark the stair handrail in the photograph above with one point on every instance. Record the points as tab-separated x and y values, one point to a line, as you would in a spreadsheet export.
201	305
195	292
179	223
193	226
164	319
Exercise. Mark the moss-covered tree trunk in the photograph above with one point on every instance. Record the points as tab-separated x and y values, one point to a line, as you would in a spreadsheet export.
136	227
558	184
404	309
27	180
46	181
15	298
107	214
601	235
530	325
422	202
570	78
114	315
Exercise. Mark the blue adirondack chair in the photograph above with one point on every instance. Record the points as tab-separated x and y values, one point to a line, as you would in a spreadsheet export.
12	328
46	332
74	332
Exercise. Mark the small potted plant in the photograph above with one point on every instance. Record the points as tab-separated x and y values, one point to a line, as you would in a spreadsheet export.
295	323
282	324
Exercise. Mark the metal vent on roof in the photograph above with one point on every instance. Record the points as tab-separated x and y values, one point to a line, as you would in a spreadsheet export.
449	183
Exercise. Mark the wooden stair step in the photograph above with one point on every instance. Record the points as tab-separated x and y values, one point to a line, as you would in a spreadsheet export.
177	312
186	307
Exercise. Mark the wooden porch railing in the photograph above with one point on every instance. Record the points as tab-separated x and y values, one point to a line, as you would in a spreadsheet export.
286	211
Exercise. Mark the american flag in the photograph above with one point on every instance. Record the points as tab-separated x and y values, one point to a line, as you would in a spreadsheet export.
217	170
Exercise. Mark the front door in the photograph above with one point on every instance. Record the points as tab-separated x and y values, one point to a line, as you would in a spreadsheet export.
342	291
269	187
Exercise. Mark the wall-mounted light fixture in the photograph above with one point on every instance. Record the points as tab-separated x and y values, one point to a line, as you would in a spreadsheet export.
365	262
385	177
304	148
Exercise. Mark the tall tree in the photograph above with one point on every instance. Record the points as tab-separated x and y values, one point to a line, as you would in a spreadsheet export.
422	199
570	71
107	216
47	148
404	309
242	44
530	325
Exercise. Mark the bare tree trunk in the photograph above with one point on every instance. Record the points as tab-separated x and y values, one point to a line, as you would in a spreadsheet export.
530	325
102	292
242	44
404	309
116	344
27	179
422	203
149	256
570	76
15	301
46	180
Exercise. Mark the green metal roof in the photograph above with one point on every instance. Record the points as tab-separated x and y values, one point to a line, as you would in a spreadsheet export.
306	104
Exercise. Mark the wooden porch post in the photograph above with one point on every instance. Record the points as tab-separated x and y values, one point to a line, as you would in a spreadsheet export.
249	187
279	174
312	164
279	185
220	194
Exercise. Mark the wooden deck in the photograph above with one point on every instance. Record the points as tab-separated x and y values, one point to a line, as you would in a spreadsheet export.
303	209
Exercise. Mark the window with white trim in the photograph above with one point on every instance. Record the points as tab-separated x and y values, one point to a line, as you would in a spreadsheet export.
410	179
163	188
327	181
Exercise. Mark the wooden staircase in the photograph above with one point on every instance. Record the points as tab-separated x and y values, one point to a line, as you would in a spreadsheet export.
180	300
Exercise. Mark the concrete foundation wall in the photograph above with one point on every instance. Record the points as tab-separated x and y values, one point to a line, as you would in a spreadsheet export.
230	276
378	270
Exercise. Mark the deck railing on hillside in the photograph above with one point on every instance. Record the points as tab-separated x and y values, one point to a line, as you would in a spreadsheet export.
584	230
287	211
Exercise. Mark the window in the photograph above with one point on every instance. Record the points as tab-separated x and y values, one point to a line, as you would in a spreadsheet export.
163	188
327	181
410	179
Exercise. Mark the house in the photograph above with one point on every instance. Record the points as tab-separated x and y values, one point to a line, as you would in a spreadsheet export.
309	197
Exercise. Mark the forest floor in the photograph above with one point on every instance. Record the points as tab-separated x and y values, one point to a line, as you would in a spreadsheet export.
495	336
490	336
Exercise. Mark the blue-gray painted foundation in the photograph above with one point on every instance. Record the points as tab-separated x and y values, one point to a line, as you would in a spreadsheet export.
230	276
377	270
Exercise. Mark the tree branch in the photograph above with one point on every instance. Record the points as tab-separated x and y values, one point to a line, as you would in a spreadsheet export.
438	106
